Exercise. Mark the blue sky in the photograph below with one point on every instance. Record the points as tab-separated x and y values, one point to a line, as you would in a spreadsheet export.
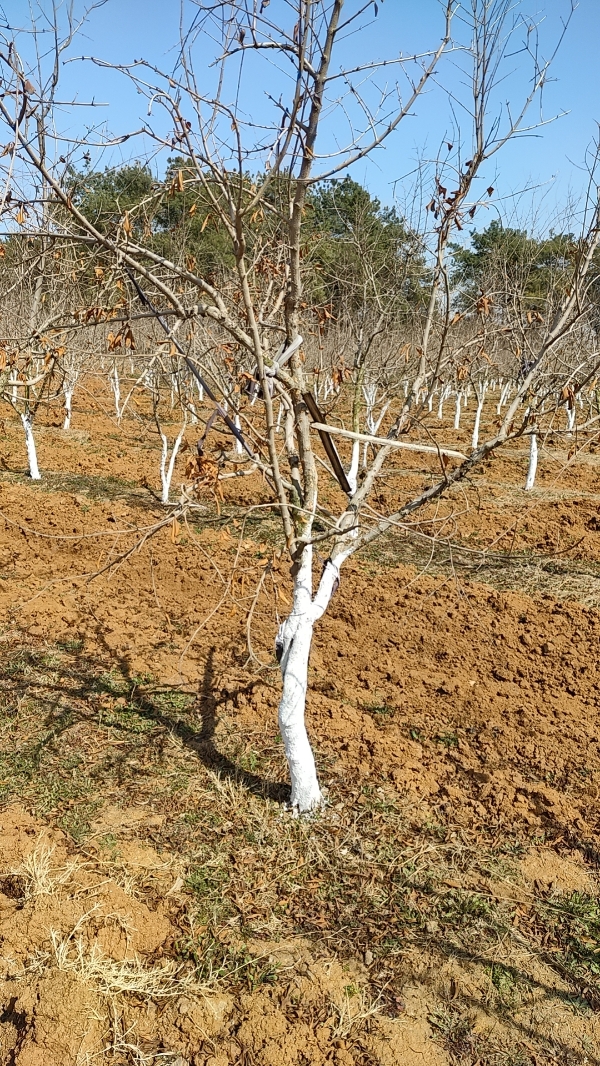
123	30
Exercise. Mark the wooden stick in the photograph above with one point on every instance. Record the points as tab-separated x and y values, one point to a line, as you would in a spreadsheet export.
368	439
326	441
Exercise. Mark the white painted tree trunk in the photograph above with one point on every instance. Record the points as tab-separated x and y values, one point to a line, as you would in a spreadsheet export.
480	403
238	446
372	423
571	416
503	397
352	474
116	388
457	411
292	647
68	394
533	461
166	470
34	470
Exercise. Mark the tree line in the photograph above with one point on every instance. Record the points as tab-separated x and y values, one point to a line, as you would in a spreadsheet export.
357	252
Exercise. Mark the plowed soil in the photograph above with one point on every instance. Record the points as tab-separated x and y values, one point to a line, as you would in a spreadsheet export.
157	903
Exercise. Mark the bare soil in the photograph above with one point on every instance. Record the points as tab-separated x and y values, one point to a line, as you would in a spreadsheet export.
158	904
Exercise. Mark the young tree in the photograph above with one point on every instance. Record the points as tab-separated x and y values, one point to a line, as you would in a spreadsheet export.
259	310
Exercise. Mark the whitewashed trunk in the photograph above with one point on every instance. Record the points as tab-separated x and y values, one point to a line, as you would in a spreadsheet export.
34	470
571	416
292	647
533	461
238	446
503	397
352	474
116	388
166	470
457	411
480	403
68	394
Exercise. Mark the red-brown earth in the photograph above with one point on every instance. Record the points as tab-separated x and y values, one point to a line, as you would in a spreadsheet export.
457	730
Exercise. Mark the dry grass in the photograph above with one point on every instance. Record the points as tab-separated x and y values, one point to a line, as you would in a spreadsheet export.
73	954
40	876
369	874
531	573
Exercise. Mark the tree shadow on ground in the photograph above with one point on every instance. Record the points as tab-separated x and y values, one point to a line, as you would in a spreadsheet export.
77	697
518	1027
88	720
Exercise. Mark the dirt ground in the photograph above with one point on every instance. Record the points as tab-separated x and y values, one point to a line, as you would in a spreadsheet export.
158	904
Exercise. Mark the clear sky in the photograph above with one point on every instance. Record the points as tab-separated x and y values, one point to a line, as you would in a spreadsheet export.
123	30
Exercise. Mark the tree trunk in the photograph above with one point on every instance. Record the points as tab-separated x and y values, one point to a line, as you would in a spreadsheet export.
166	472
292	647
34	470
475	439
533	459
353	469
238	446
116	388
68	393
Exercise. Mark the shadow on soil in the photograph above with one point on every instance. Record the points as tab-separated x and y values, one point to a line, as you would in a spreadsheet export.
76	691
76	731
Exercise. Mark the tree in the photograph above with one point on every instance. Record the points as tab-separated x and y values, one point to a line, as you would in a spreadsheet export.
361	252
514	270
257	316
107	198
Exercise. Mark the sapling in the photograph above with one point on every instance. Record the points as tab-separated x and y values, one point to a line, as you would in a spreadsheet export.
216	140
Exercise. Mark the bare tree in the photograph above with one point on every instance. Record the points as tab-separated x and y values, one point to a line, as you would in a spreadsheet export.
249	175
